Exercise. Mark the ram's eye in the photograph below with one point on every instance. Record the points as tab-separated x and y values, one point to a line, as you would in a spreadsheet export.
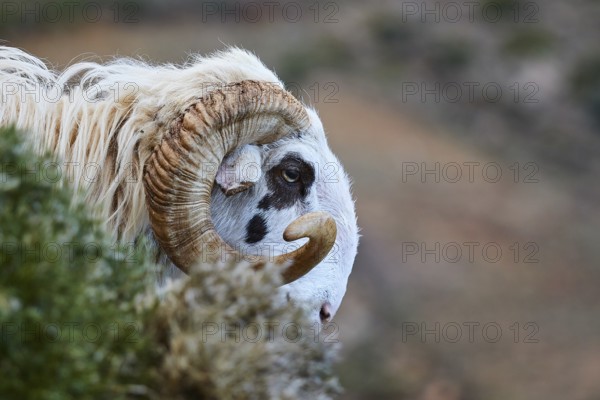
290	175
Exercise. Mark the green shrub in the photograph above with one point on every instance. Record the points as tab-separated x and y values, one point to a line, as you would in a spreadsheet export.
228	338
70	328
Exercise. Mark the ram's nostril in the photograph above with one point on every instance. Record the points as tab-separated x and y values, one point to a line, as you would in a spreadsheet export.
325	313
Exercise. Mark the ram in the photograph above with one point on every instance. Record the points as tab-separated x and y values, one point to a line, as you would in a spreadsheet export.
212	159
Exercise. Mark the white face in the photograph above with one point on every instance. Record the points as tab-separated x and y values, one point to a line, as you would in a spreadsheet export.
270	186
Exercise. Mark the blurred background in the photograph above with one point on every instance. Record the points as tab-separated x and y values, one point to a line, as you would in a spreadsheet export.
472	133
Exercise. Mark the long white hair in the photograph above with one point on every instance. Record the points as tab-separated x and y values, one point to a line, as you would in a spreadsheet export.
103	121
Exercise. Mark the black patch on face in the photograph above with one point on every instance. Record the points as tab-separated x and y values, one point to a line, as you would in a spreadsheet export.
256	229
284	194
264	203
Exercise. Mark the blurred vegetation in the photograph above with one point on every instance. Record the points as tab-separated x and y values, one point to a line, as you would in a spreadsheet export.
80	317
528	43
24	16
44	281
448	56
585	84
391	34
328	52
525	53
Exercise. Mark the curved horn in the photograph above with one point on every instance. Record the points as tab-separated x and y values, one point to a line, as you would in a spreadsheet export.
321	231
179	175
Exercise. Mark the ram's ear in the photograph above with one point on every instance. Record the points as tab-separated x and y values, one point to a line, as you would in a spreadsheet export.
240	170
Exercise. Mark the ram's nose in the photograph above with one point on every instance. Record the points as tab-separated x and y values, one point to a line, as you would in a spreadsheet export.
325	313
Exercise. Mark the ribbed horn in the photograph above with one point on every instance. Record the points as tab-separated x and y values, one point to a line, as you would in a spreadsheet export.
179	175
